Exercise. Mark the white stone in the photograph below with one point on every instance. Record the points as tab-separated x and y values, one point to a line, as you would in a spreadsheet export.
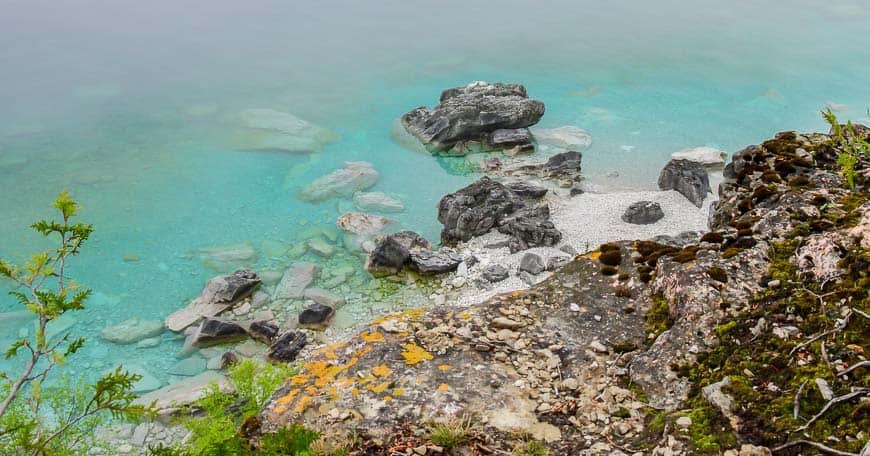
351	178
377	202
268	129
706	156
684	422
567	137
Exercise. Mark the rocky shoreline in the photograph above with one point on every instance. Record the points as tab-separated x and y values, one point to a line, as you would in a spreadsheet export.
539	321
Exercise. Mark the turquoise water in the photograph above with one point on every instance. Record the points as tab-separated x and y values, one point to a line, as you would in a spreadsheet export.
125	104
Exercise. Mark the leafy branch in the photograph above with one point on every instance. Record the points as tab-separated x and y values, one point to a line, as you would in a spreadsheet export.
852	144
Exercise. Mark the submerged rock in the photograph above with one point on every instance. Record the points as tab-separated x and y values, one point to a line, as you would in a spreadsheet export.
228	257
377	202
363	224
315	315
268	129
471	113
688	178
294	281
132	330
341	183
220	293
567	137
643	213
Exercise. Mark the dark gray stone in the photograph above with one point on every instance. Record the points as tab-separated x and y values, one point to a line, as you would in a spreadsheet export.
316	314
231	287
643	213
263	331
517	140
530	228
527	190
474	210
228	359
495	273
214	330
470	113
533	263
688	178
393	252
287	347
429	262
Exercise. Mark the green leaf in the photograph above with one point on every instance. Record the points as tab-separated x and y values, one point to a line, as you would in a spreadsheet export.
66	205
13	349
74	346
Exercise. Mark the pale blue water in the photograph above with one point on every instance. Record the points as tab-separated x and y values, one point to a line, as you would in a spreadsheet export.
122	103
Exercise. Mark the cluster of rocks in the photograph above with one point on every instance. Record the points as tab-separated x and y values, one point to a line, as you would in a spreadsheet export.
554	361
494	115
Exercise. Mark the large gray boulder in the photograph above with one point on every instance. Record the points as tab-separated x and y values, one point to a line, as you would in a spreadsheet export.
643	213
471	113
219	294
486	205
686	177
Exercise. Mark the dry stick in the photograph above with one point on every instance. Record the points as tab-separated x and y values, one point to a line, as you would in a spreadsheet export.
839	327
797	399
854	366
830	404
819	446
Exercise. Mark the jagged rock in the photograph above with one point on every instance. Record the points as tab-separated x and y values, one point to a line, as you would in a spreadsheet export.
430	262
315	315
377	202
132	330
470	113
533	263
324	297
706	156
720	399
495	273
527	190
515	141
263	331
287	347
268	129
475	209
688	178
220	293
563	167
820	257
294	281
643	213
393	252
341	183
213	331
530	227
567	137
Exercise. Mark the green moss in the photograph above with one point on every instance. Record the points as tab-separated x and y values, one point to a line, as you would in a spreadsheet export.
622	293
623	276
718	274
658	319
713	237
730	252
611	257
723	329
609	270
622	413
624	347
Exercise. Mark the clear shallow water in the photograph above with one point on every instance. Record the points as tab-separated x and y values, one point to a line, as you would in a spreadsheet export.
124	104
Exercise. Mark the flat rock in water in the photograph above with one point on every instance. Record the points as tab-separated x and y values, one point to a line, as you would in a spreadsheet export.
323	297
213	331
315	315
132	330
643	213
706	156
287	347
688	178
567	137
268	129
228	257
189	366
320	247
377	202
294	281
362	224
471	113
147	383
183	392
341	183
220	293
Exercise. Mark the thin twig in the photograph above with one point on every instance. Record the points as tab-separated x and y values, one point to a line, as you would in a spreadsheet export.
853	367
797	399
839	327
830	404
817	445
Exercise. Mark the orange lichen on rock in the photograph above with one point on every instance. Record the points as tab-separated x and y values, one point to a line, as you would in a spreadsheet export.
398	392
287	398
381	371
443	387
380	388
445	367
373	336
414	354
303	403
408	315
594	255
298	379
